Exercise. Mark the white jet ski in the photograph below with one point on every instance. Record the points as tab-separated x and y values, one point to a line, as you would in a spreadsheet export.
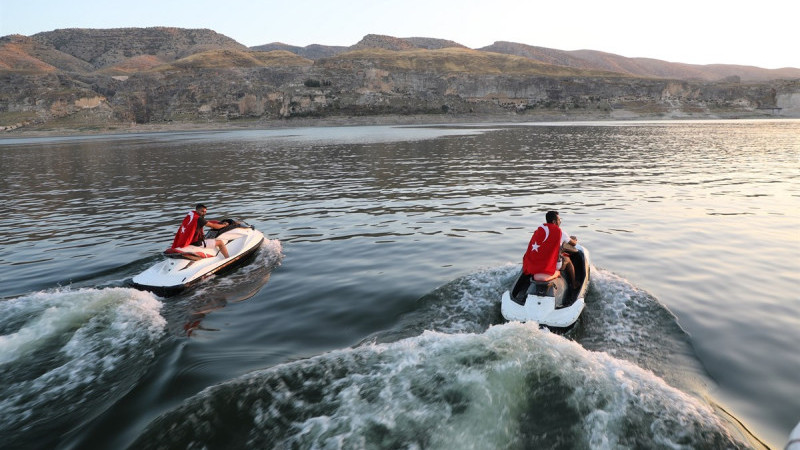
188	265
794	439
554	304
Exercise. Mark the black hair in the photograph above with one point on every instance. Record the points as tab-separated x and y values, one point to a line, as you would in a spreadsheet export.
552	216
199	206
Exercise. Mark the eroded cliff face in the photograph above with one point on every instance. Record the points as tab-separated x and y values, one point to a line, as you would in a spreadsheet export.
789	104
273	93
82	78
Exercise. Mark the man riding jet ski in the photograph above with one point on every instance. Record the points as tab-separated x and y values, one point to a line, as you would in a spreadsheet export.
543	259
554	279
193	256
189	237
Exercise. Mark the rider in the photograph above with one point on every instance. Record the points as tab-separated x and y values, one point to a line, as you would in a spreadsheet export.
191	231
541	259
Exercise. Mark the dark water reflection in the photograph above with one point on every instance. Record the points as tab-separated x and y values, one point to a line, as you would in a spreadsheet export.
370	219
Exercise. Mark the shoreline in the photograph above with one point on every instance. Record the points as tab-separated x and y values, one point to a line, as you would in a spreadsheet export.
343	121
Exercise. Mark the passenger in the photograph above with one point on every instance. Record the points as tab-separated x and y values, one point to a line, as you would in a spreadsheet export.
541	259
191	231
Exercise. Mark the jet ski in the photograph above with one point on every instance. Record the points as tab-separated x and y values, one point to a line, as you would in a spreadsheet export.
553	304
794	438
188	265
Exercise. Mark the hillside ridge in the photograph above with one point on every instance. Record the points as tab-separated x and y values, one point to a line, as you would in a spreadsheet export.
85	50
85	79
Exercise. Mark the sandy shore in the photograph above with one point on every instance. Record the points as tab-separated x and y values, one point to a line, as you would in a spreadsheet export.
50	130
339	121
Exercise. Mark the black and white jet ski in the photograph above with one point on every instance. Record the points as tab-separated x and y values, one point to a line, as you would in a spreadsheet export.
185	266
554	304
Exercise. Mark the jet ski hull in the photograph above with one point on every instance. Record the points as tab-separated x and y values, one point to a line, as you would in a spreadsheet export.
174	274
555	305
794	439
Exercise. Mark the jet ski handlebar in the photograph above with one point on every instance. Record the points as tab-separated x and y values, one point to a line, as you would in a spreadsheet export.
230	225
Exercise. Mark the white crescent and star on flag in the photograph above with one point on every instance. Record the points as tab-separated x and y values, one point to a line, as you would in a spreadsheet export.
546	232
535	246
183	228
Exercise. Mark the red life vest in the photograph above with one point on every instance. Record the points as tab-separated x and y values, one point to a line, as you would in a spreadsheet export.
187	232
542	253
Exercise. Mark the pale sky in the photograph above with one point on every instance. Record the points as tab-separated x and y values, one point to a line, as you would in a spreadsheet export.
761	33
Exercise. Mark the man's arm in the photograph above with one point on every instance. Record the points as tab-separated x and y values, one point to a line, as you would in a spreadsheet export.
216	225
566	239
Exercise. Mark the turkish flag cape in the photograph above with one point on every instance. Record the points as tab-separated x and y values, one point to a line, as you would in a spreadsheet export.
186	232
542	253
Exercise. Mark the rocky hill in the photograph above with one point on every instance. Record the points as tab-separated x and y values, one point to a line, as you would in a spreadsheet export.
393	43
451	60
25	55
314	51
234	59
105	79
642	67
432	43
102	48
577	59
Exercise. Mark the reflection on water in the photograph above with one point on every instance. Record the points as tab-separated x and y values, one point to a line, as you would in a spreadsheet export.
191	307
371	219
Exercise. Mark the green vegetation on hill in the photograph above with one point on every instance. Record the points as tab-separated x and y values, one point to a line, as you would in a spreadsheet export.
454	60
219	59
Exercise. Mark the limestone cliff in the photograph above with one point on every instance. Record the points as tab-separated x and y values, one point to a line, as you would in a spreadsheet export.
101	78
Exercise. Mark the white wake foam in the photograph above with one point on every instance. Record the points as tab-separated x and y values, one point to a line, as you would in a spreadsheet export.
69	351
511	386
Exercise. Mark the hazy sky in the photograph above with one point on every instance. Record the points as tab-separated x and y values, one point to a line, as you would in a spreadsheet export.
760	33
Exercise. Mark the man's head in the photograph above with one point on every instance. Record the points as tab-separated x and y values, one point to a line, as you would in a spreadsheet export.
552	217
201	209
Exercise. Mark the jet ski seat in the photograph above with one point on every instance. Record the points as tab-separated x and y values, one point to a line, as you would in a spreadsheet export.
187	253
543	288
526	285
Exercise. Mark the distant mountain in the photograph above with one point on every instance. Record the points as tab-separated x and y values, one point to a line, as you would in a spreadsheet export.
541	54
649	67
587	60
314	51
108	47
393	43
641	67
80	78
384	42
123	51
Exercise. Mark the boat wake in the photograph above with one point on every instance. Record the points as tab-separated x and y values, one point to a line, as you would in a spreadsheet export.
70	354
511	386
67	355
454	374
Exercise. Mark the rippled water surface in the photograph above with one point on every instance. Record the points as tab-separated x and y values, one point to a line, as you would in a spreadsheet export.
370	316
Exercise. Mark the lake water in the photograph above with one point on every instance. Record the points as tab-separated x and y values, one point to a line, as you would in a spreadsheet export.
370	317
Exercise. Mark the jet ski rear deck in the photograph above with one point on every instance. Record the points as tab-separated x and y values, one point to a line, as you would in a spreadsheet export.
554	304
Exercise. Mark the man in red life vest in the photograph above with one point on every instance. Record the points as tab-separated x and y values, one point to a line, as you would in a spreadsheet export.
191	231
541	259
